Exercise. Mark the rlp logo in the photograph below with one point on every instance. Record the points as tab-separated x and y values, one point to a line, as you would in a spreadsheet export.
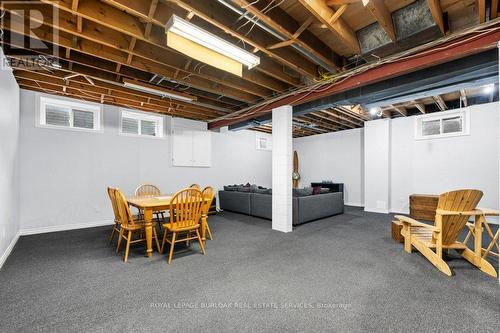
29	32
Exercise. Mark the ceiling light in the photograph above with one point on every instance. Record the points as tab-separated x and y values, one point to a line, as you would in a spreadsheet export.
136	85
373	111
488	89
194	34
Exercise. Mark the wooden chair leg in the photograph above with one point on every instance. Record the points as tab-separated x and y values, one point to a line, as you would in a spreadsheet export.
112	234
209	232
164	241
156	239
200	241
406	232
120	236
128	245
172	245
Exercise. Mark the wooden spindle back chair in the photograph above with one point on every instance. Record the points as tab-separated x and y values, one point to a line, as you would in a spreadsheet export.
208	194
185	214
148	190
145	190
130	225
116	227
196	186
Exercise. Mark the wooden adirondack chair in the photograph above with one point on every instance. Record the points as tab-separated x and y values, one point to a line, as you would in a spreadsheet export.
454	210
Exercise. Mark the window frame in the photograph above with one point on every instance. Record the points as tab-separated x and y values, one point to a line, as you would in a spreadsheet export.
96	110
129	113
462	113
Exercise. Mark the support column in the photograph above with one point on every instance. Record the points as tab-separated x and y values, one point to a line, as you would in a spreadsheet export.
282	168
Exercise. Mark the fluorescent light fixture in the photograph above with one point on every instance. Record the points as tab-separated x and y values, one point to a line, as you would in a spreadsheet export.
156	91
199	36
488	89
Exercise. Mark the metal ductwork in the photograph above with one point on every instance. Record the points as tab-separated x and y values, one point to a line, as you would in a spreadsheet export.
413	24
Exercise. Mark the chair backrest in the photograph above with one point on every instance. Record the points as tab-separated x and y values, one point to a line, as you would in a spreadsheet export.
126	217
208	195
146	190
196	186
111	194
456	201
185	207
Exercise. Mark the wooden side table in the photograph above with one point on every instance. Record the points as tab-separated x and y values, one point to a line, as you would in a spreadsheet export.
423	206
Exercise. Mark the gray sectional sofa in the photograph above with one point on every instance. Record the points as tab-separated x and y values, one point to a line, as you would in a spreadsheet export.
305	208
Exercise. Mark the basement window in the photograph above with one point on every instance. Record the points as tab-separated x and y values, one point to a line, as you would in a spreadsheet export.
140	124
66	114
442	124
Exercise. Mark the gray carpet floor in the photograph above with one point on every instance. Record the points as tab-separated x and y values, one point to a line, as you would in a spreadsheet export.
341	274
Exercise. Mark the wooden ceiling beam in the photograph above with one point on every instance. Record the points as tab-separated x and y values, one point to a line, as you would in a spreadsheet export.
437	13
282	22
440	102
383	16
463	97
343	118
213	16
116	54
401	110
340	2
324	14
324	120
95	97
103	70
106	15
112	90
219	17
312	121
494	9
419	106
481	8
330	117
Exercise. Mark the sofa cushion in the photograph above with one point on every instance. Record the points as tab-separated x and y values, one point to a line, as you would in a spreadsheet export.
231	188
302	192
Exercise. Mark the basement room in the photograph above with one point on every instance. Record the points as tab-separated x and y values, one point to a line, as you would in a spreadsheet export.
249	166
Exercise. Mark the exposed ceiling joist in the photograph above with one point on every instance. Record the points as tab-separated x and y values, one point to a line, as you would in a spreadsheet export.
437	13
281	22
440	103
383	16
340	28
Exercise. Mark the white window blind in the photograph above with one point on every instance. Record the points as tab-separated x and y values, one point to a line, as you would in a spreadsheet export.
66	114
442	124
133	123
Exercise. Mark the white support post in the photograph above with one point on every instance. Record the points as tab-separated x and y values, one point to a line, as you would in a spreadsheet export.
282	169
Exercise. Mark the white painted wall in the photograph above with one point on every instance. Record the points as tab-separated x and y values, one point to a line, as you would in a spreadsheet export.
9	143
444	164
64	174
334	156
377	165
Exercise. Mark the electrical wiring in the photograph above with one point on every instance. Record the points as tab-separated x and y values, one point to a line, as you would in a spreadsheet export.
326	80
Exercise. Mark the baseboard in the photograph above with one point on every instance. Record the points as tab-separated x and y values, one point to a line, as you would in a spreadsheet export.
376	210
64	227
8	250
354	204
400	211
